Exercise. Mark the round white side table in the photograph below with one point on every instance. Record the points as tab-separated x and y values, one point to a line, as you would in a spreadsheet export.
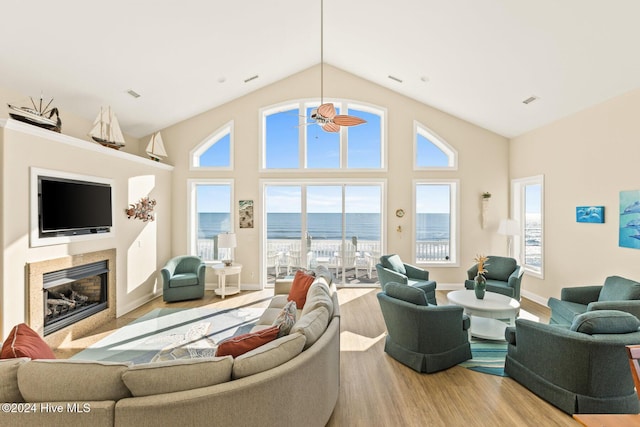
222	271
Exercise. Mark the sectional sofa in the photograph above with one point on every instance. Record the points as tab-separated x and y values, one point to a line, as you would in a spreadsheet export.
293	380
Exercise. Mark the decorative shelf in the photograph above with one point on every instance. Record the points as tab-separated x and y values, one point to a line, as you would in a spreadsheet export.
19	126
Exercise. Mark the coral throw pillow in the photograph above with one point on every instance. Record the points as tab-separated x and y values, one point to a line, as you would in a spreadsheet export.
235	346
25	342
299	288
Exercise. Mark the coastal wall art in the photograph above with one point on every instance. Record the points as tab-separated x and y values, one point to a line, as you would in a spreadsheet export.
629	233
592	214
245	210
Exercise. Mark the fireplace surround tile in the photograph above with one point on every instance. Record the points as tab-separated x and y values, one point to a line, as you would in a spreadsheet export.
35	273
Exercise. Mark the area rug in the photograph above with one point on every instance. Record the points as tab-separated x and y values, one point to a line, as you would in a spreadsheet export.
171	333
487	357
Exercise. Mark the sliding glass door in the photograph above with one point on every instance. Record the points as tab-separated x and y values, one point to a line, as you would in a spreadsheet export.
336	225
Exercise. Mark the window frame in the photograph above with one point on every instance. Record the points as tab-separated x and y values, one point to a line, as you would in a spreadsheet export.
438	141
519	212
301	105
454	222
210	141
192	220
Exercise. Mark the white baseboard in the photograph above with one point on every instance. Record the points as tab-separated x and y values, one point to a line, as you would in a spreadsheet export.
535	298
121	311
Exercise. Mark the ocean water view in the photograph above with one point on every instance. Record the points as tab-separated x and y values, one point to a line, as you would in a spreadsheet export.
326	226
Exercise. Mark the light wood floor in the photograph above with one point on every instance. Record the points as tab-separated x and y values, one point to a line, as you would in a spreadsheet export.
376	390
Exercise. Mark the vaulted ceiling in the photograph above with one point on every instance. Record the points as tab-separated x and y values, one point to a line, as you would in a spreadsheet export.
475	59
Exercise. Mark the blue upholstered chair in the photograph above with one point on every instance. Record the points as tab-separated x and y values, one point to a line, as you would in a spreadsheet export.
503	276
582	368
391	269
425	337
183	278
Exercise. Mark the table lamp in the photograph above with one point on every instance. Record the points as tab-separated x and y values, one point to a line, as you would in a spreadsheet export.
227	241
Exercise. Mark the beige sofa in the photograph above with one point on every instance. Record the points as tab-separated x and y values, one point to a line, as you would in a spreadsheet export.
255	389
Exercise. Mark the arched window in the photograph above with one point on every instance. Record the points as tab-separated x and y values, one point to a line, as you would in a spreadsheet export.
290	140
431	151
215	151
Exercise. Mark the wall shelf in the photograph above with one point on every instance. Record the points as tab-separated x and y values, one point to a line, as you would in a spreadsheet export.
19	126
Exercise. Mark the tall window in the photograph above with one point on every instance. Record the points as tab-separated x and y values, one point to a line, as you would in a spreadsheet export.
215	151
210	214
291	140
431	151
528	208
435	222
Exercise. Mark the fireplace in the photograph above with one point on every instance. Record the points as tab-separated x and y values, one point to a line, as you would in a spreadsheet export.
91	275
73	294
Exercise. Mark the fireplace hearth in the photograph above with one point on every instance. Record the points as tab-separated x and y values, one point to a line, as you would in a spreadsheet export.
73	294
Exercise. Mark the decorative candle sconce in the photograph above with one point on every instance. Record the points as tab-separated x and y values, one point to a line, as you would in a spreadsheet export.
142	210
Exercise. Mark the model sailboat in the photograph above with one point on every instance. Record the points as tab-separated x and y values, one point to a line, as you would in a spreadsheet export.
106	130
155	148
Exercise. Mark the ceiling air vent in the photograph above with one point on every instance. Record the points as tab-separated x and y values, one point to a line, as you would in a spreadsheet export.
395	78
251	78
529	100
133	93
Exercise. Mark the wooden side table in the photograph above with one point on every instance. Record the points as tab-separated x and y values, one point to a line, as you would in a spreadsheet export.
222	272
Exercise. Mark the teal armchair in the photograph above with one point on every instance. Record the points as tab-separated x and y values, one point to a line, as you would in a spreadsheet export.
183	278
582	368
424	337
391	269
503	276
617	293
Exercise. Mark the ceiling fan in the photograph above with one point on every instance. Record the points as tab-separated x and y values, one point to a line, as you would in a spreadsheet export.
325	115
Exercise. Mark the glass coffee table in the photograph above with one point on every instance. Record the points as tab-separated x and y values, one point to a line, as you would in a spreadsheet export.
489	316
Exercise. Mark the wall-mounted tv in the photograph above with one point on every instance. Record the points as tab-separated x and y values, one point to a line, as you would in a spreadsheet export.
70	207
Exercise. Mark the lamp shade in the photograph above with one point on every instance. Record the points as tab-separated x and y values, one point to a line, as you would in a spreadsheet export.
227	240
509	227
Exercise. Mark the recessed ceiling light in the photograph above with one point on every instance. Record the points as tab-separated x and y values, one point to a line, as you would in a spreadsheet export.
424	79
251	78
530	99
222	79
133	93
395	78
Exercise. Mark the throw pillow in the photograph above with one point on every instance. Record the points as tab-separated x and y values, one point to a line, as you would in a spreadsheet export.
25	342
393	262
617	288
312	325
177	375
406	293
605	322
286	319
301	283
235	346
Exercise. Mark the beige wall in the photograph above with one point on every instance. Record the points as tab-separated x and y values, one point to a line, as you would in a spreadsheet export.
586	159
142	247
483	165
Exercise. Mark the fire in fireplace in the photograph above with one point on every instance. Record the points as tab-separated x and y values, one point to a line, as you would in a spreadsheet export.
73	294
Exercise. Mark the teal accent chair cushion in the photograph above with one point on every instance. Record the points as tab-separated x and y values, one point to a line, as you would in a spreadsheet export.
605	322
406	293
618	288
393	262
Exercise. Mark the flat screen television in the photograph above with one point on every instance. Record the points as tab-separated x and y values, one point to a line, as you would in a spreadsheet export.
69	207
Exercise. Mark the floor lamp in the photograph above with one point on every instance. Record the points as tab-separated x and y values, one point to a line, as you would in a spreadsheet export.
509	228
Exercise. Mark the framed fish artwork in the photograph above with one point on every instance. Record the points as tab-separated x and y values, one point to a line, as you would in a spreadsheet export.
629	231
